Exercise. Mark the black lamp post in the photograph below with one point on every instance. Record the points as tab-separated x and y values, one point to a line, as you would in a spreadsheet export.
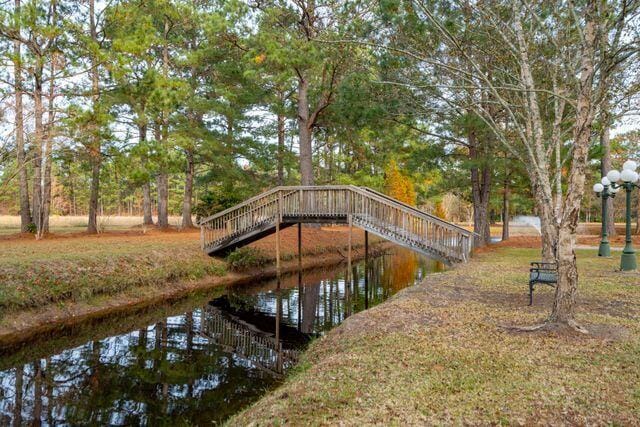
626	179
605	190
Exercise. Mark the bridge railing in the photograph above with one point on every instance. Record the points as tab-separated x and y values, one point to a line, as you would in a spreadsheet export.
411	225
239	219
365	207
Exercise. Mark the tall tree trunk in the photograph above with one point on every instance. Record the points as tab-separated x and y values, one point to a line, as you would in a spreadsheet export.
188	191
281	136
558	178
480	188
94	149
539	167
146	204
46	189
147	217
161	135
605	167
162	182
548	224
38	111
25	213
304	133
564	302
506	195
559	104
49	135
92	226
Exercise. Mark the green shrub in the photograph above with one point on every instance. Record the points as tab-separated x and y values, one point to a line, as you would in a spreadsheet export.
244	258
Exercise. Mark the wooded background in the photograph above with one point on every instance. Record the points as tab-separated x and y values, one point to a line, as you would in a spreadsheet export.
172	107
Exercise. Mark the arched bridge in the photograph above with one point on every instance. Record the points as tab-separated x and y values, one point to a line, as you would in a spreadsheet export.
360	206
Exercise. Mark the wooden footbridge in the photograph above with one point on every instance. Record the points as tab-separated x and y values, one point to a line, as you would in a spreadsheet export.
370	210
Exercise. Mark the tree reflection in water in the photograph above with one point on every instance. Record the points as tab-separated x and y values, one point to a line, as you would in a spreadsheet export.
200	366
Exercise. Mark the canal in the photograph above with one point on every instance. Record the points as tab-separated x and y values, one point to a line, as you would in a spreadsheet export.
196	361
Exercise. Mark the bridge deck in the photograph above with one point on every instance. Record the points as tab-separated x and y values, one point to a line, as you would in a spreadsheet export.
362	207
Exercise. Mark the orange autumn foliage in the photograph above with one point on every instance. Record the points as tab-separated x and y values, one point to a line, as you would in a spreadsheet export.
398	185
439	211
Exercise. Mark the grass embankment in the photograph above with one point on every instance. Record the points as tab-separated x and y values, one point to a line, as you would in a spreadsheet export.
61	278
36	273
438	354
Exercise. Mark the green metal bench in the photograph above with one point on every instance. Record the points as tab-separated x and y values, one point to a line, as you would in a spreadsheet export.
545	273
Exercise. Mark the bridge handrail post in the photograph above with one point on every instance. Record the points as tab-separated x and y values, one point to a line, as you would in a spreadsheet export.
348	197
300	209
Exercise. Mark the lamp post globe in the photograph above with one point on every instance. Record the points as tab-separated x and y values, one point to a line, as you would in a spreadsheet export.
613	176
598	188
628	175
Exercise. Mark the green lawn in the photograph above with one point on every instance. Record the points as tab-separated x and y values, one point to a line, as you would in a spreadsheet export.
438	354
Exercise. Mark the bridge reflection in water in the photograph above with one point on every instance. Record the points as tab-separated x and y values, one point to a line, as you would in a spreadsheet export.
263	350
201	360
269	323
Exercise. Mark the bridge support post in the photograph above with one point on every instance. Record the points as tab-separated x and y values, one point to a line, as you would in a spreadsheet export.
366	247
300	288
350	239
299	246
350	245
366	269
348	278
278	316
278	248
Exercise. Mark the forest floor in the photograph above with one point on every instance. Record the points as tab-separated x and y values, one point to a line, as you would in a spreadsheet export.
443	353
69	277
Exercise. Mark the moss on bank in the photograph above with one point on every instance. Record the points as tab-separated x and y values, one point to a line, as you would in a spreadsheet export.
437	354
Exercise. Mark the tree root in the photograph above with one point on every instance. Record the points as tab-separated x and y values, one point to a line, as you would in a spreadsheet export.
549	326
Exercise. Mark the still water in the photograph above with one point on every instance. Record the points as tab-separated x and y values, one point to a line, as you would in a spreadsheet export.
197	361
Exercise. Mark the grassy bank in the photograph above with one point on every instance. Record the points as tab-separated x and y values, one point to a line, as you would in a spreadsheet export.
437	353
62	278
36	273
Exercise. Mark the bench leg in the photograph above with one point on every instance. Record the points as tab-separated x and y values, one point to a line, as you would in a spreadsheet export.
530	293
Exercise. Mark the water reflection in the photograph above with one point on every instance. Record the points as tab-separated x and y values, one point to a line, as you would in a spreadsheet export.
198	366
